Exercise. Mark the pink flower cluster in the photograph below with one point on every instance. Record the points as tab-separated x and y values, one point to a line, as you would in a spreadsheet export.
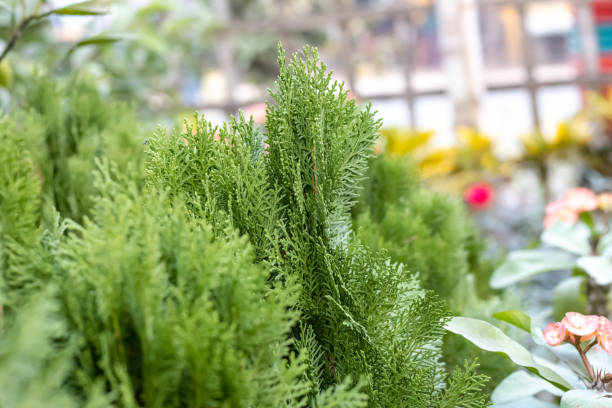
567	209
576	328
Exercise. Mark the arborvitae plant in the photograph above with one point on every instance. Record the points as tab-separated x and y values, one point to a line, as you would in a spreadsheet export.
432	235
426	231
20	214
168	317
66	126
34	366
362	317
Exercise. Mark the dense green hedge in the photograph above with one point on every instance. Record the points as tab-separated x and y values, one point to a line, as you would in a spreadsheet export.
225	275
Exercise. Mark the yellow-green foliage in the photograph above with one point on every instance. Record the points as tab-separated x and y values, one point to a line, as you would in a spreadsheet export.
66	126
20	212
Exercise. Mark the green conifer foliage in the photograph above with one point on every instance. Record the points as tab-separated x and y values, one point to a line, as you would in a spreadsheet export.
34	366
66	126
20	212
433	236
425	231
169	317
363	317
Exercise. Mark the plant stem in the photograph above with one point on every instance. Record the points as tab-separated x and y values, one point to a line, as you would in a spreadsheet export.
587	348
21	28
585	360
16	35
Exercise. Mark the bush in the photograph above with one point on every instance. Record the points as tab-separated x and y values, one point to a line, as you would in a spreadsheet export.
432	235
362	316
66	126
230	278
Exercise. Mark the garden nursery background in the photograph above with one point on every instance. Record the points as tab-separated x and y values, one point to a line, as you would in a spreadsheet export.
306	203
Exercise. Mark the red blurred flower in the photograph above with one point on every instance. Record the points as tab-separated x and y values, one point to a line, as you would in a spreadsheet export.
479	195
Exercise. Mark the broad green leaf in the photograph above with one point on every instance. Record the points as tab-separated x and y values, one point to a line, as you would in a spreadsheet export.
154	8
562	371
490	338
524	264
98	40
570	237
517	318
605	244
83	8
520	385
598	267
586	399
569	296
152	41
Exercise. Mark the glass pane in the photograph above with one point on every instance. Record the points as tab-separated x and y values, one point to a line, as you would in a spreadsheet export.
436	113
506	115
555	40
502	45
377	67
557	104
393	112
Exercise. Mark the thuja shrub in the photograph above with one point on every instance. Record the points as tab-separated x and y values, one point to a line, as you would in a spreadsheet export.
364	320
20	215
428	232
167	316
34	366
432	235
67	125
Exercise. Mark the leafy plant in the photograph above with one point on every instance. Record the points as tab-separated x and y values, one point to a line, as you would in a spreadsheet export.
577	371
577	238
431	235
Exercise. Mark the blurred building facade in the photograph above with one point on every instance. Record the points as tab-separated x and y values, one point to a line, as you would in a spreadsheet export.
505	66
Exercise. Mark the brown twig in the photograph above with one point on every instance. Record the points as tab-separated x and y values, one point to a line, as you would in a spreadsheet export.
584	359
587	348
17	34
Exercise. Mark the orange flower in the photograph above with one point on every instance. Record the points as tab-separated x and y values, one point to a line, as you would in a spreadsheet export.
555	334
581	325
580	199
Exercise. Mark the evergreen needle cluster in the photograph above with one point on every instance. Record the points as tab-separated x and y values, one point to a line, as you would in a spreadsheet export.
362	317
230	278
